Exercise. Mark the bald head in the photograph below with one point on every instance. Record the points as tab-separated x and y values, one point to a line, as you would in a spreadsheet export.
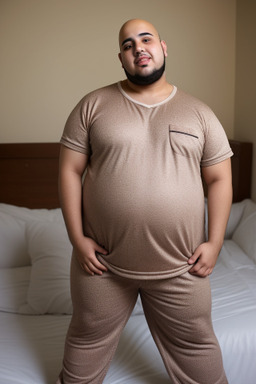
136	26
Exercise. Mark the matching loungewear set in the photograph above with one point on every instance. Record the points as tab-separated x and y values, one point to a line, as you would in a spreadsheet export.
143	201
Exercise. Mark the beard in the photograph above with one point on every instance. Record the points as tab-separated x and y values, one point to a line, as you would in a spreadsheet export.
147	79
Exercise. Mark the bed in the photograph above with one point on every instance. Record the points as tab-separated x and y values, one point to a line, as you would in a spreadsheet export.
35	305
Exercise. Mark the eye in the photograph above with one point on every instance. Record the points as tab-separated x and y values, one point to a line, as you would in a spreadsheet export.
127	47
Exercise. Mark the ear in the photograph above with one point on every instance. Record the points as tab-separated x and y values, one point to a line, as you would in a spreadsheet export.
120	58
164	47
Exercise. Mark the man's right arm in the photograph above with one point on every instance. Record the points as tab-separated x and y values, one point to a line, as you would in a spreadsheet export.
72	165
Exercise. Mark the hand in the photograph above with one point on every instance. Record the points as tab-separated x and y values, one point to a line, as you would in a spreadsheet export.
204	259
86	256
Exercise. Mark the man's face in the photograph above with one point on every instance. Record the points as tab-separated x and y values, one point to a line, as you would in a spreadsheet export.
142	54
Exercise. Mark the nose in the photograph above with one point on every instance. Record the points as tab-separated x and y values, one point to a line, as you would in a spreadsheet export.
138	49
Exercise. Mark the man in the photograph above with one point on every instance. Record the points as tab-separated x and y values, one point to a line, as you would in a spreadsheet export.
137	223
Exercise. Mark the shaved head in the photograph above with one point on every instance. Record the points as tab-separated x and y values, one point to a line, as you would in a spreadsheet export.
129	26
142	53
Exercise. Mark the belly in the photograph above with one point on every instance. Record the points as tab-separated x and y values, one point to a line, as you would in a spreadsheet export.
149	217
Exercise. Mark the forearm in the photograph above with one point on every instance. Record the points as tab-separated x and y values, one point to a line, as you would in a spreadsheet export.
71	168
219	181
219	204
70	193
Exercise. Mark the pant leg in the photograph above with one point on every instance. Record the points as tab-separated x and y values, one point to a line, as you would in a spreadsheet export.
101	308
178	312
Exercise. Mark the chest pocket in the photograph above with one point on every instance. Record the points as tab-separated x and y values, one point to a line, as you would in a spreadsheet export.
184	143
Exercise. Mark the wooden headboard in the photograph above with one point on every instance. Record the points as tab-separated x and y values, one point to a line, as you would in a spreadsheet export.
241	169
29	173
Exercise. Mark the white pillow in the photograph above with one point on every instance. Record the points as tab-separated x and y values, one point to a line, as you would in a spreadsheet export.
13	250
237	210
245	236
28	214
236	213
13	221
249	208
14	284
50	252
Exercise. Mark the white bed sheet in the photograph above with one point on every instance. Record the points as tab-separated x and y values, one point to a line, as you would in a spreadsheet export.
31	347
233	284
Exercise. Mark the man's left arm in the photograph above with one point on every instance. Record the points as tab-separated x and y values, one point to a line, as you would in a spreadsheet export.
219	182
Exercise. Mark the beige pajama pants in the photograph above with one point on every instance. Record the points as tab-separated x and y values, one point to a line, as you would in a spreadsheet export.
178	312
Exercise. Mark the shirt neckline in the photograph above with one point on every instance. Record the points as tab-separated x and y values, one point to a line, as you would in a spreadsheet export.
172	94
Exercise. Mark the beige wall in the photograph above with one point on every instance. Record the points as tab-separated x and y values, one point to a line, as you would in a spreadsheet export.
55	51
245	103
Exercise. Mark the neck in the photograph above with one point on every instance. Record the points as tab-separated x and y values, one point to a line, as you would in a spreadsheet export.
148	94
157	87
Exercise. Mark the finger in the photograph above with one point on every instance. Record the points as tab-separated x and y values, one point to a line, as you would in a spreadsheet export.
196	268
87	269
201	272
193	271
99	267
96	266
194	258
101	249
93	269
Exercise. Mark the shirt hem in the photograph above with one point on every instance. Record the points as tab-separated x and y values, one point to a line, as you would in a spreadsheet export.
208	163
135	275
74	147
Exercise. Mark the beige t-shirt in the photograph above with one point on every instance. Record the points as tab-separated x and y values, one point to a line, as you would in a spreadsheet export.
143	197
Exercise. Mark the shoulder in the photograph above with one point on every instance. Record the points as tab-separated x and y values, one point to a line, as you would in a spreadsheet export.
107	91
95	98
191	101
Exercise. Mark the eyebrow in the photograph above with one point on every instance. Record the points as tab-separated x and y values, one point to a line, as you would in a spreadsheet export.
140	34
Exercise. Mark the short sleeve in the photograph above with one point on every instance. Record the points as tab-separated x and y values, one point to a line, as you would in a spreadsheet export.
76	132
216	147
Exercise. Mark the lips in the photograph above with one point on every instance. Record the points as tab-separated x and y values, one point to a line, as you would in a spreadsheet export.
142	60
